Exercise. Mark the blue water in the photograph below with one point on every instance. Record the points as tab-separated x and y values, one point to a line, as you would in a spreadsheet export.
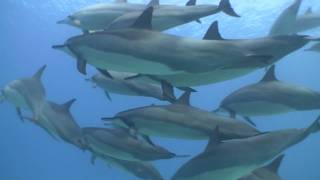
27	32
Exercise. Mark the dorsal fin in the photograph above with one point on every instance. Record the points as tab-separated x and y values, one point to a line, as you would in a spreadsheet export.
120	1
213	32
214	139
153	3
191	3
39	73
144	21
184	98
270	75
275	164
309	11
67	105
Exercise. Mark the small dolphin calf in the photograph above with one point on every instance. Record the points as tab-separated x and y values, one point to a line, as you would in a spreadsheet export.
26	93
139	50
117	15
268	172
60	123
118	84
231	160
119	144
180	120
142	170
270	96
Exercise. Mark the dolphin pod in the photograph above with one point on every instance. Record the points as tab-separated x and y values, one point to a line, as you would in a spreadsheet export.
139	50
270	96
124	43
117	15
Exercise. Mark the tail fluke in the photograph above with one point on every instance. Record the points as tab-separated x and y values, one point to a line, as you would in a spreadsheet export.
225	6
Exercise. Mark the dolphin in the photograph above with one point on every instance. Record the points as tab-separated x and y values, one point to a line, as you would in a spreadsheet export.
277	46
270	96
26	93
307	21
142	170
115	15
315	48
120	144
268	172
180	120
285	23
139	50
231	160
132	87
61	123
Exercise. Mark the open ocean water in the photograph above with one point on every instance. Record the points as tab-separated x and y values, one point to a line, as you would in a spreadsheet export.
28	29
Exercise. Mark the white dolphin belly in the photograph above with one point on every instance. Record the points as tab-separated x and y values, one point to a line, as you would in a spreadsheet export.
233	173
168	130
110	151
15	97
123	63
259	108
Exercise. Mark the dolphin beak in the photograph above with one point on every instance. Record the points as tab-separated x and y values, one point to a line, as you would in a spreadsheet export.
64	21
58	47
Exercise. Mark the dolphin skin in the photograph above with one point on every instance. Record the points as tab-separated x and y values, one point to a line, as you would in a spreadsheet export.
60	123
286	22
268	172
142	170
180	120
271	96
277	46
117	15
231	160
140	50
308	21
315	48
120	144
26	93
289	22
118	84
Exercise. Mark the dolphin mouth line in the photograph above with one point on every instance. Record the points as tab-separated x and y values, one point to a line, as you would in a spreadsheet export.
58	46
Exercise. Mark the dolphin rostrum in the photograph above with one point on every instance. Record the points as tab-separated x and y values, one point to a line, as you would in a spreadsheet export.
26	93
133	87
117	15
180	120
120	144
61	123
139	50
231	160
268	172
142	170
270	96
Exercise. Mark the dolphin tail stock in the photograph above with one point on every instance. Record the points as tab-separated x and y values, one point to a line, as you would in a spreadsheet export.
225	6
314	127
193	3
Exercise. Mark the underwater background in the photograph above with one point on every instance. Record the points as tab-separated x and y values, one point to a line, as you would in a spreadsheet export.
28	29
